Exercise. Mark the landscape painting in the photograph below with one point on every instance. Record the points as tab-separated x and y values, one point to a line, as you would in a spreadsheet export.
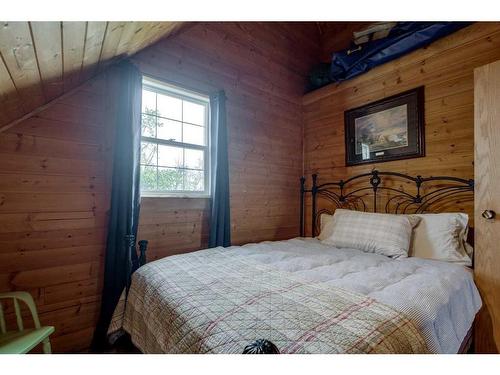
388	129
382	130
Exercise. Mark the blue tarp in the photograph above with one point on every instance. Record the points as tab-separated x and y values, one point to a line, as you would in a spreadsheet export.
403	38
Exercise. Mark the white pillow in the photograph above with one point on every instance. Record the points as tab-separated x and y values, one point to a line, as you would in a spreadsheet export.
442	237
326	226
384	234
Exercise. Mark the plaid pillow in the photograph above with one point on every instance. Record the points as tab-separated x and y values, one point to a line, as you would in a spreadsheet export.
384	234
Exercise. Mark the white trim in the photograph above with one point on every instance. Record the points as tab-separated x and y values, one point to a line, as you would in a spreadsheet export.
171	89
150	194
159	87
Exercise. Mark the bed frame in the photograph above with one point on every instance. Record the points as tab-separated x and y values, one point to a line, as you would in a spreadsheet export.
388	192
376	191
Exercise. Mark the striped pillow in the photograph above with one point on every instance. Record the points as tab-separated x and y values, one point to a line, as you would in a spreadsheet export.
384	234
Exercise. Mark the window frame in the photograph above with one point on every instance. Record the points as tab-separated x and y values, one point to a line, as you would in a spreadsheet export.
165	88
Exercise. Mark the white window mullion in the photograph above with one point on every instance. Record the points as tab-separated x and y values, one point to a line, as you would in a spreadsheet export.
194	100
183	149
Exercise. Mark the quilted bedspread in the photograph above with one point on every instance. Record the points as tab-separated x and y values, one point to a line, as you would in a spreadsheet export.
220	300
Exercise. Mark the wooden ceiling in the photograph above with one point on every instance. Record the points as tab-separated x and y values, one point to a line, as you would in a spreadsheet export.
40	61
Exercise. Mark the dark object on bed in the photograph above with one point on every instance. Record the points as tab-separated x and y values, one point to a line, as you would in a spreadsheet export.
388	192
261	346
388	129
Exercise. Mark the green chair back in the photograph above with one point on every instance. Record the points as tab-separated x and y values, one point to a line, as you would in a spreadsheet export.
23	340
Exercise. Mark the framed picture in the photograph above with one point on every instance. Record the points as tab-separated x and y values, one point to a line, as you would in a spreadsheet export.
388	129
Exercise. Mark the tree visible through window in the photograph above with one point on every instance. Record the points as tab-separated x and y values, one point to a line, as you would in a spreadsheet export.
174	142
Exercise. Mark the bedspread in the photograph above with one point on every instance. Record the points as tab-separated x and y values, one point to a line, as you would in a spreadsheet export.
220	300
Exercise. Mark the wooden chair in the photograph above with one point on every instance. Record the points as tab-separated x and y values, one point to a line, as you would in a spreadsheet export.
23	340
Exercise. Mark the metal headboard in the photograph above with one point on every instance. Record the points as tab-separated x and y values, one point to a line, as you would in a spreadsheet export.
388	192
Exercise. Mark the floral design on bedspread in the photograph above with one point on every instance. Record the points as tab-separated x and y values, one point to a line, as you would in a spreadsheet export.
218	301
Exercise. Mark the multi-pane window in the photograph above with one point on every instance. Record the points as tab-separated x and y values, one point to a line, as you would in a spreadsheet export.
175	141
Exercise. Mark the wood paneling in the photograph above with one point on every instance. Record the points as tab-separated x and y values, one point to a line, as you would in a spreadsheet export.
263	68
41	60
336	36
53	202
487	197
174	225
446	69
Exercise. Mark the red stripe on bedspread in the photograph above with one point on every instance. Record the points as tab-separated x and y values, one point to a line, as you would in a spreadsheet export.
312	333
248	302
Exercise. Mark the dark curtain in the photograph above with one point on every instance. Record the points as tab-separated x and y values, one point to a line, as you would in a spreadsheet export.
125	200
220	224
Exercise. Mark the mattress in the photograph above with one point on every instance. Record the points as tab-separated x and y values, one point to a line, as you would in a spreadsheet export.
439	297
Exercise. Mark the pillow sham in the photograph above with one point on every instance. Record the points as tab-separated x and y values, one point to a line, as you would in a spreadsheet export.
325	225
384	234
442	237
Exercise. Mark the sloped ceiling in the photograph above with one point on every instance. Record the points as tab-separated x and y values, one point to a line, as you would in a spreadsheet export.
40	61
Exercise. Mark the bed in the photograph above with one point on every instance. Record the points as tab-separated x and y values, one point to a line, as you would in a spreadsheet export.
305	296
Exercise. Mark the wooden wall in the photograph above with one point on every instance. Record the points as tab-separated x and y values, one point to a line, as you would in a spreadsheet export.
54	196
446	69
55	168
263	68
336	36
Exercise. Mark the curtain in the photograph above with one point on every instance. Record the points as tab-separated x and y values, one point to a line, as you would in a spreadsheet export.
220	224
120	261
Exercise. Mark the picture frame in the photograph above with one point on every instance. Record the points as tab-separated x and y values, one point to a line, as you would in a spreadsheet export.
386	130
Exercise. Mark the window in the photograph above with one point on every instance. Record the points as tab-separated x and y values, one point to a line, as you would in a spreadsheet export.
174	142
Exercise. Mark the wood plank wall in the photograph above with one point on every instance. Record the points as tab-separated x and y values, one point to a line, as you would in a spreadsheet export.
263	68
336	36
54	180
54	196
446	69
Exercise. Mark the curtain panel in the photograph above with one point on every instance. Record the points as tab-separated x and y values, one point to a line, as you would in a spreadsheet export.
220	220
120	260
